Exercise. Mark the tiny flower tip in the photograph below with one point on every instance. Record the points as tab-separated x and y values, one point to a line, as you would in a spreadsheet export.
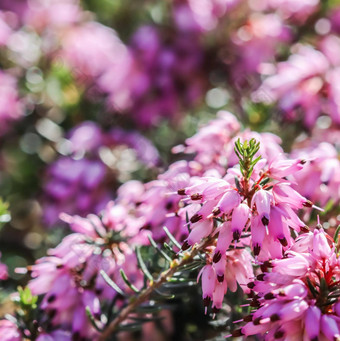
304	229
196	196
195	218
216	211
256	249
236	236
185	246
283	241
217	257
265	221
307	203
274	318
260	277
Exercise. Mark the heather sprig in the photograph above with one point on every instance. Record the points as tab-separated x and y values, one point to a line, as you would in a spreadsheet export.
246	152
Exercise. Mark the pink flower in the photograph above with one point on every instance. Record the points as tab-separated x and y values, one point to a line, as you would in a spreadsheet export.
52	13
90	49
298	298
263	200
204	15
78	183
9	331
232	268
267	210
319	180
11	108
69	277
213	144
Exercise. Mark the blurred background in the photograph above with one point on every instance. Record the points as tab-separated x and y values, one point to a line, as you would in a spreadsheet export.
96	93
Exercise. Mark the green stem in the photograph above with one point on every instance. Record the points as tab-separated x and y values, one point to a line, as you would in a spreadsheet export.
144	295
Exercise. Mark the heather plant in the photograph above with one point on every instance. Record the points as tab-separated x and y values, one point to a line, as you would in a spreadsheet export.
180	220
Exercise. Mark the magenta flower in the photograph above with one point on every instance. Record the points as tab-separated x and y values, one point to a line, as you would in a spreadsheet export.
299	298
319	180
90	49
69	276
201	16
17	7
289	9
298	83
80	184
75	186
9	331
213	144
225	271
157	204
256	43
149	81
268	210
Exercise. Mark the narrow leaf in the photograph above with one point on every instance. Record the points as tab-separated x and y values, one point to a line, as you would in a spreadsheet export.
164	295
169	248
336	235
161	252
92	320
128	283
111	283
171	237
142	265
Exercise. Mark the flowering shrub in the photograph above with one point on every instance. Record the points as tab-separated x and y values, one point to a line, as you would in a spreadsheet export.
181	220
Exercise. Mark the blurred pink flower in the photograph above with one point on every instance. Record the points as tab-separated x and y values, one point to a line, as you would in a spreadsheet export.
11	108
9	331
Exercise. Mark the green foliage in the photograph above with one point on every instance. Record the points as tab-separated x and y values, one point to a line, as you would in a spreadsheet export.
246	152
5	216
26	300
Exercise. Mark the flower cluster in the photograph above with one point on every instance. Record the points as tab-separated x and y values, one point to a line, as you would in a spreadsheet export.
81	183
69	277
299	298
213	144
155	82
254	197
305	85
234	268
319	180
